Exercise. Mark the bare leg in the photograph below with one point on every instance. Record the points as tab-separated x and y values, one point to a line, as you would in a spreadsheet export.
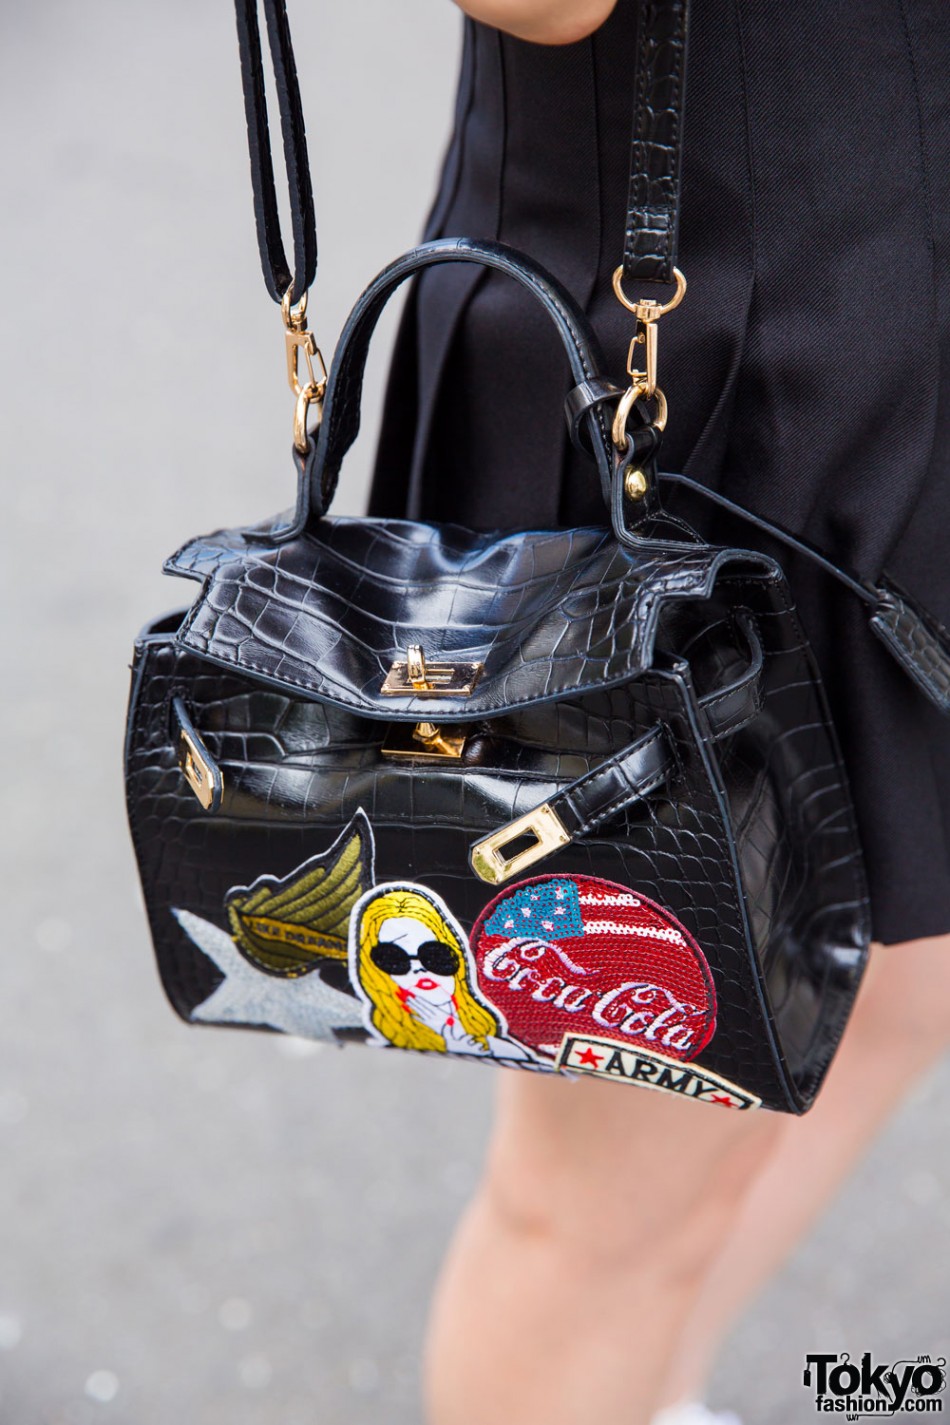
597	1233
599	1214
900	1027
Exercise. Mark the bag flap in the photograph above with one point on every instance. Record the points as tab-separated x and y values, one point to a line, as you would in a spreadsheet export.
544	612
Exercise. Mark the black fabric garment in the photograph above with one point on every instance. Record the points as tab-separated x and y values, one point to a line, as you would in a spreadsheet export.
807	371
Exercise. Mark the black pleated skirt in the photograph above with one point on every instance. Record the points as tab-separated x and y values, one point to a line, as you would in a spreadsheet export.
807	371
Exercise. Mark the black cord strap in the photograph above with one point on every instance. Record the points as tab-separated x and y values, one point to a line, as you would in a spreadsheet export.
278	277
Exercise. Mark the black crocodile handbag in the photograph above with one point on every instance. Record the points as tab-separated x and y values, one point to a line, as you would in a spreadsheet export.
564	800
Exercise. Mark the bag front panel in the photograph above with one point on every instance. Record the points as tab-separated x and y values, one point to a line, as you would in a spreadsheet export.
256	910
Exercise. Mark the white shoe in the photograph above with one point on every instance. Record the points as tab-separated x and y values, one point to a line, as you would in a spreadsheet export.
694	1412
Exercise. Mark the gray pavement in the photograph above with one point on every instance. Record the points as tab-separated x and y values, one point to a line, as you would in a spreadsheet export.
197	1225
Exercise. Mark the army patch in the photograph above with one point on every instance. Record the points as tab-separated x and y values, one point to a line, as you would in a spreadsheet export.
575	956
288	926
411	965
609	1060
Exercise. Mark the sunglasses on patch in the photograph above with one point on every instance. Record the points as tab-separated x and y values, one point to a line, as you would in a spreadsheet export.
433	956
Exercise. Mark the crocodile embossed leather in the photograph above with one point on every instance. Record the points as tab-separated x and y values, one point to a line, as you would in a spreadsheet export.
564	800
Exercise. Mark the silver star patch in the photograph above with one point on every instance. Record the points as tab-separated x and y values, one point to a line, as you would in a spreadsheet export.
305	1006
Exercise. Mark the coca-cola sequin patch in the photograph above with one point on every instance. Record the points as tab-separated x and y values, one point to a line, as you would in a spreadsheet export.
578	957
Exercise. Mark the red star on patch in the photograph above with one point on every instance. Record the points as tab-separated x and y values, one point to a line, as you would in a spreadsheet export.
589	1057
721	1098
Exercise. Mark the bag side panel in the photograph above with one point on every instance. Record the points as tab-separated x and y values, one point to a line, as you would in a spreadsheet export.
800	857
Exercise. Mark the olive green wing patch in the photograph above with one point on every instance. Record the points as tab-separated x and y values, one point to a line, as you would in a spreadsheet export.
289	926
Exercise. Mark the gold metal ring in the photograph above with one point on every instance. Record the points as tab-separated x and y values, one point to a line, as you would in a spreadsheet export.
626	404
650	313
662	410
311	394
293	316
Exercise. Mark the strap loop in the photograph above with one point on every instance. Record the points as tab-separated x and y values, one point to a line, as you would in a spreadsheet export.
577	809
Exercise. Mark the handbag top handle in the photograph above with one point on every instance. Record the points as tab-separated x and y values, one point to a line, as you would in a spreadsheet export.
914	639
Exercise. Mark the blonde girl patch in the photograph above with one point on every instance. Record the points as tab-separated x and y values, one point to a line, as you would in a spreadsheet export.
411	966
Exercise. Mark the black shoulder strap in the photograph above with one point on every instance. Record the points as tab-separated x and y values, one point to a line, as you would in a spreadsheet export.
650	235
656	149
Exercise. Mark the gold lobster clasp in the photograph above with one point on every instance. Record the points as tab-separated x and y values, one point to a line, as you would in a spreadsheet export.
643	384
301	345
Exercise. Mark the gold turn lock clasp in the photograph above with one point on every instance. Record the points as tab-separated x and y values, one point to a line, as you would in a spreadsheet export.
488	858
425	743
441	741
415	676
416	668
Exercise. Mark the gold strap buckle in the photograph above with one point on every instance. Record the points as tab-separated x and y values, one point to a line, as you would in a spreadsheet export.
301	344
648	312
195	769
543	823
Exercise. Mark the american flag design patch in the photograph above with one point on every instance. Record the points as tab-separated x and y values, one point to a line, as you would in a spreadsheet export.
578	956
